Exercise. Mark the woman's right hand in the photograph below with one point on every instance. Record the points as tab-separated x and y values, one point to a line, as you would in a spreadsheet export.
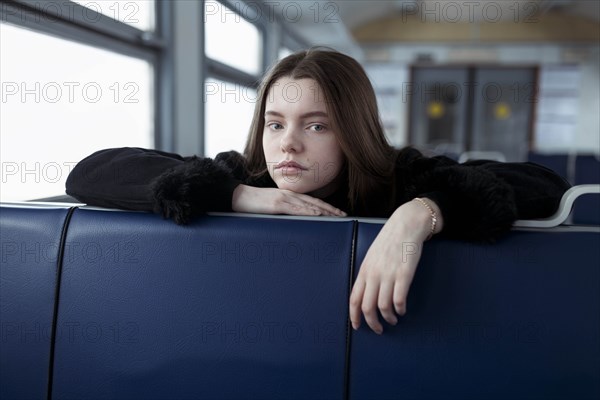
250	199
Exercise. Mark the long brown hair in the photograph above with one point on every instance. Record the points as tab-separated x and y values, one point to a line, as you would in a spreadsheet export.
352	107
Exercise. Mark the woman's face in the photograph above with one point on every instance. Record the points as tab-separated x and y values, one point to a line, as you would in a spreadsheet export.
297	128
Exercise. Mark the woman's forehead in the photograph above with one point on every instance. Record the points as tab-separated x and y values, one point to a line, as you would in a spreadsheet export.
287	92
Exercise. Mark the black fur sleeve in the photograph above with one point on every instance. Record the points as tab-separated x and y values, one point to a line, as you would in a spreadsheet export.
152	180
480	200
198	185
119	177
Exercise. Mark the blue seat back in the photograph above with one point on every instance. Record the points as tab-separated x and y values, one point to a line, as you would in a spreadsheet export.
235	307
31	241
519	319
556	162
586	209
227	307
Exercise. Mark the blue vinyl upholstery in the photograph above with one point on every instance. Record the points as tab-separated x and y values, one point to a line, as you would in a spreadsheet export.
30	242
224	308
518	319
586	209
556	162
241	307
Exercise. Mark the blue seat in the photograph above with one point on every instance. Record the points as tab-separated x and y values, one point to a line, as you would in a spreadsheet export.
235	306
519	319
227	307
586	209
587	169
556	162
31	241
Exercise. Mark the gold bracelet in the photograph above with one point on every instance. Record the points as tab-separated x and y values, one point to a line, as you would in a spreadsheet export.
433	216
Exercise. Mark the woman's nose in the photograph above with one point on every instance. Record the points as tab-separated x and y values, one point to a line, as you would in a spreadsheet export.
291	140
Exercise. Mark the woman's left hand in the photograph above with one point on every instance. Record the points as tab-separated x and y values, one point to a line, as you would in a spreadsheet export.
389	266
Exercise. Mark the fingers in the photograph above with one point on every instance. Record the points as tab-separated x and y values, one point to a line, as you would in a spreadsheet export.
324	205
356	301
383	281
402	286
384	302
367	297
302	204
319	204
369	307
278	201
399	296
294	206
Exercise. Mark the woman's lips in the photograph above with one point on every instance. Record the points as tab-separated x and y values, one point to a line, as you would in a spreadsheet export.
290	166
291	170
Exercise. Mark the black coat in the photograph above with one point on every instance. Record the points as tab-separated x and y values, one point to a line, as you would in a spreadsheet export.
479	200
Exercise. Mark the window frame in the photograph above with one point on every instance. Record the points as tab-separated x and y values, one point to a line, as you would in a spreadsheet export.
64	20
157	47
228	73
274	35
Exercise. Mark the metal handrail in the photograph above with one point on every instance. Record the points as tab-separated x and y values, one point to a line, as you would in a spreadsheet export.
564	209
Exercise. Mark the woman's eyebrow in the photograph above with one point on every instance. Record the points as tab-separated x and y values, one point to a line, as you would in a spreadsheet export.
273	113
303	116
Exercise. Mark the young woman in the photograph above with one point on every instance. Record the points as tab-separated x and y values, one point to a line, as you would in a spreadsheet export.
316	147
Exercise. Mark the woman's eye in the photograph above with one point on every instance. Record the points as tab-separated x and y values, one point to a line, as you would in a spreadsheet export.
275	126
318	128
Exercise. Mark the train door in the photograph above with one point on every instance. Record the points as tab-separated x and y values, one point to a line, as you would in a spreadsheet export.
503	111
473	109
438	108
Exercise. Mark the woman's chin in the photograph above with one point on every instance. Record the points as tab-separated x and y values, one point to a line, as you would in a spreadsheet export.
297	187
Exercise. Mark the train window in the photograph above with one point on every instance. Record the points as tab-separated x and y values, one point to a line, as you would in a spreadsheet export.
229	107
58	109
139	14
231	39
283	52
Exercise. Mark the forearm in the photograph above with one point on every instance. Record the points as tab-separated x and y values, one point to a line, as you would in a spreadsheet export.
119	177
153	180
414	220
389	266
239	192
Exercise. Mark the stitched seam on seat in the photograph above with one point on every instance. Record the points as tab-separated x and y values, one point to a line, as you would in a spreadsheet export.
59	262
348	324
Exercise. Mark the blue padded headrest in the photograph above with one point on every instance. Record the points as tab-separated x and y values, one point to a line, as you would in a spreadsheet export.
223	308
